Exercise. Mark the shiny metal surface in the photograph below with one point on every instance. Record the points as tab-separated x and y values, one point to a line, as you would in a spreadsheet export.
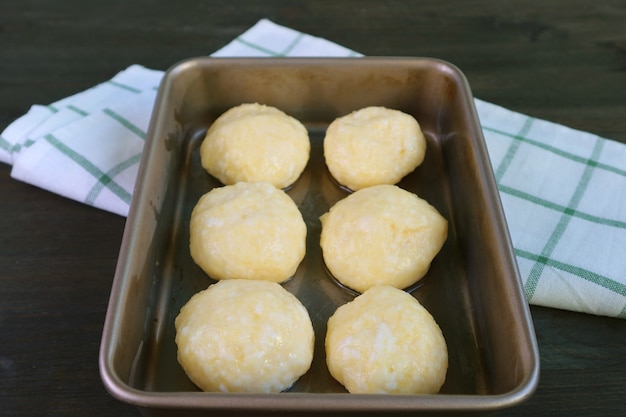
472	289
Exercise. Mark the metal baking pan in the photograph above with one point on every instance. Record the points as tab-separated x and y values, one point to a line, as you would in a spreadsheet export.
473	288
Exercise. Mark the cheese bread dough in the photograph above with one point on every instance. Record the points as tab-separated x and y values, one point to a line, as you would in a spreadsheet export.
381	235
255	142
249	230
386	342
244	336
373	145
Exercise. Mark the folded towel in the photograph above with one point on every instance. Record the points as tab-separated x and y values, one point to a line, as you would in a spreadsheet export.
563	190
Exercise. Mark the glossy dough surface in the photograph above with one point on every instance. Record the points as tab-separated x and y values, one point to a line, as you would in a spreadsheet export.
381	235
373	145
244	336
255	142
247	231
386	342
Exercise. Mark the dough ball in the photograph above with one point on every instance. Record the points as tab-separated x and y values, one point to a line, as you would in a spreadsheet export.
244	336
381	235
247	230
254	142
371	146
386	342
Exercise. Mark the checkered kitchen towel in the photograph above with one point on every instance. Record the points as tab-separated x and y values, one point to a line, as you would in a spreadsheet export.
563	190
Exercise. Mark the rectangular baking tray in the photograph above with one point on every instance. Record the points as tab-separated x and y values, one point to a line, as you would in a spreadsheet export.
473	289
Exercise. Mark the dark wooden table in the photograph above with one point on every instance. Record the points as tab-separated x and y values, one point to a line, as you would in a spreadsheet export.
560	60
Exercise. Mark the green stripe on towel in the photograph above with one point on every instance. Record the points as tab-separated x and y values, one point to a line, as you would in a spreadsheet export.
89	167
125	122
537	269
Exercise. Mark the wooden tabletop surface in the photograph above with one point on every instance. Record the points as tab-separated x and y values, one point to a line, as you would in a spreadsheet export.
559	60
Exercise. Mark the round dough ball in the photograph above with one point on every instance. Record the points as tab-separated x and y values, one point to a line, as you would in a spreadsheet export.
254	142
386	342
372	146
244	336
250	230
381	235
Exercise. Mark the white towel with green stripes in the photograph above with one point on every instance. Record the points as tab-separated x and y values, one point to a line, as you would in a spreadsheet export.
563	190
87	146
